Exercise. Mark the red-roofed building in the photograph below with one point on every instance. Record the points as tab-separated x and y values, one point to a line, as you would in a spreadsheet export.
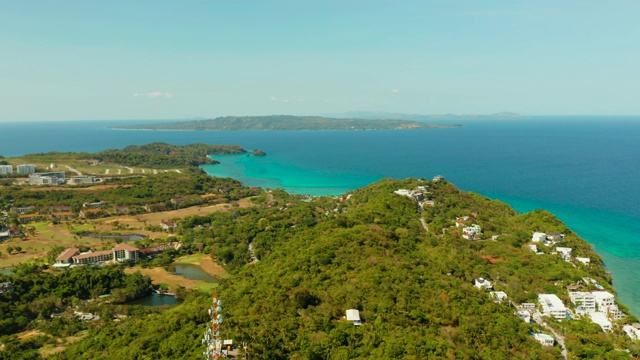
123	252
93	257
66	256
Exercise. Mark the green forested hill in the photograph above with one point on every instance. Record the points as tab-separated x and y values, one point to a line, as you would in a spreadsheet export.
287	122
413	287
157	154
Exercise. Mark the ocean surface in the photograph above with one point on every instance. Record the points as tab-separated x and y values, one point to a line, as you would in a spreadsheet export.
585	170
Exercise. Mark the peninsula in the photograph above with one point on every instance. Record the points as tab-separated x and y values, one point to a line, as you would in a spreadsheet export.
287	122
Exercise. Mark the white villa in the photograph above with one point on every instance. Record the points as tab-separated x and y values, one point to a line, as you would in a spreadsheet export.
585	302
483	284
498	296
539	236
353	315
469	232
632	332
602	320
524	315
565	252
544	339
604	300
584	260
552	306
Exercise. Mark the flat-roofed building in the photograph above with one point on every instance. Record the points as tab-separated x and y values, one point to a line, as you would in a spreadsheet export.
584	302
51	178
602	320
84	179
26	169
6	169
353	315
552	306
544	339
604	300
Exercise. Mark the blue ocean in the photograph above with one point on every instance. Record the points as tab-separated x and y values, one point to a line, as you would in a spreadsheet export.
586	170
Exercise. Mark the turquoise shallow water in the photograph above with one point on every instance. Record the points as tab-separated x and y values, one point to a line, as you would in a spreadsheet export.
586	170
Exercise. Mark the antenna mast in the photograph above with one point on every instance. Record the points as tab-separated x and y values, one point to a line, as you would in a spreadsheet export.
212	339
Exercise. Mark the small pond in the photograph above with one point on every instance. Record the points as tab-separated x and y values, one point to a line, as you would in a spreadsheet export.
193	272
6	271
123	237
154	300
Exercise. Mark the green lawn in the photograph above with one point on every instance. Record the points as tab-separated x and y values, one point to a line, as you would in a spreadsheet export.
190	259
207	287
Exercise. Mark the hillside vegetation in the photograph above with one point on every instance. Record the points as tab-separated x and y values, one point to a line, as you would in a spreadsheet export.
412	284
157	154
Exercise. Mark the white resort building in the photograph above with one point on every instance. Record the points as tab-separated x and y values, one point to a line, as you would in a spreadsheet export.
552	306
584	302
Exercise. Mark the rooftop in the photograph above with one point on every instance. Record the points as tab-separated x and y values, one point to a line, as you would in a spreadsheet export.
67	254
125	246
92	254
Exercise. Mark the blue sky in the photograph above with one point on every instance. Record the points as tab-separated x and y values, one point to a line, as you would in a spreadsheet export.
83	60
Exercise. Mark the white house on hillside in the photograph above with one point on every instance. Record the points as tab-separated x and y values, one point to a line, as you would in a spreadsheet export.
498	296
539	236
585	302
353	315
481	284
544	339
552	306
602	320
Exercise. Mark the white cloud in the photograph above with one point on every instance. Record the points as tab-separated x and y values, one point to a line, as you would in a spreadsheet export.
275	98
154	94
394	91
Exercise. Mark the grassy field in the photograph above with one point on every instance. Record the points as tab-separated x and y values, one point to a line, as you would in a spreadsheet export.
47	235
43	162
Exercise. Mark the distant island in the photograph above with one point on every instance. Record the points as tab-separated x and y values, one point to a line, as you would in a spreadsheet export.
287	122
374	115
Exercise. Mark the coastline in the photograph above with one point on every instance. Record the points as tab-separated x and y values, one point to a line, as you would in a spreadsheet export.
243	171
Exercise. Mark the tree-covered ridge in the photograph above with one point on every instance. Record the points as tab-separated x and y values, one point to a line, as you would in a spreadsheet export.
287	122
163	154
157	154
412	284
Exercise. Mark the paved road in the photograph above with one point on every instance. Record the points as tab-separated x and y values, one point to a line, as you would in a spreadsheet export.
424	224
559	338
254	259
74	170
